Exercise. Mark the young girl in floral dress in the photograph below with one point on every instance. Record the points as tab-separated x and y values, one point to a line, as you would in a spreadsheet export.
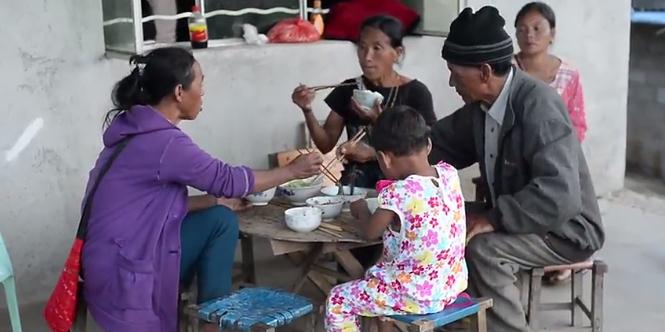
421	218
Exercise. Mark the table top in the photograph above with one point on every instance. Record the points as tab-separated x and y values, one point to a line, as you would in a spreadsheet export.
268	222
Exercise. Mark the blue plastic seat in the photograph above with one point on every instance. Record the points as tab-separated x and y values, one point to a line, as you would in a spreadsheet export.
7	279
256	309
463	307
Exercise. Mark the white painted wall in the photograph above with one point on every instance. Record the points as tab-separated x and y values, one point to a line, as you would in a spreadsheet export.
54	70
593	35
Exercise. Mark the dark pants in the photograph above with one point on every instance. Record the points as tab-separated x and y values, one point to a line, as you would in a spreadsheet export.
208	238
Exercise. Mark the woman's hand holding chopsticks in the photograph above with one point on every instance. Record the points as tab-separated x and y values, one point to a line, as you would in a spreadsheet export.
355	149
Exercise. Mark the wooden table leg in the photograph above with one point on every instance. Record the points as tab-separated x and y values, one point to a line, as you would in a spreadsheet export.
350	264
306	267
316	277
321	282
248	267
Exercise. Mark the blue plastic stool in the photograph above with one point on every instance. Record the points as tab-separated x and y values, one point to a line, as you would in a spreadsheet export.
463	307
7	279
252	309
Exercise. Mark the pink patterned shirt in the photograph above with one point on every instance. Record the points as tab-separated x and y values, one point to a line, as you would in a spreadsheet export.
567	84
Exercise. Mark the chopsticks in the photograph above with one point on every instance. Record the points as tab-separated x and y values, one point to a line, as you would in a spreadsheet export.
323	87
355	139
332	230
338	158
325	171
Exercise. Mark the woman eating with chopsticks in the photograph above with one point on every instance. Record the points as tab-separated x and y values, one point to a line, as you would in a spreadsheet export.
379	48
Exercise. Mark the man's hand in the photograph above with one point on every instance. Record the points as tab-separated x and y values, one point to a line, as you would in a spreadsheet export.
477	224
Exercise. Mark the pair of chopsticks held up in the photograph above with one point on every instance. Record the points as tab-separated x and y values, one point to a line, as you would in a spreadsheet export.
326	169
331	86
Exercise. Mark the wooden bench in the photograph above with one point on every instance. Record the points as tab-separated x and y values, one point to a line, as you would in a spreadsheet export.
463	307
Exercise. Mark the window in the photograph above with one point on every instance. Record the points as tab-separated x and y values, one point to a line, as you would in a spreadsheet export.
435	15
133	26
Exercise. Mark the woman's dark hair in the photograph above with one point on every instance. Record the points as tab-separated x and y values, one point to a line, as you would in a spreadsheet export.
154	77
389	25
541	8
400	130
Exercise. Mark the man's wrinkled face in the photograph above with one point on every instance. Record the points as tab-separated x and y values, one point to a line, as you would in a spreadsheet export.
467	81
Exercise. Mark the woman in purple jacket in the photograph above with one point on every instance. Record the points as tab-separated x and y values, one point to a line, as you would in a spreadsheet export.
145	236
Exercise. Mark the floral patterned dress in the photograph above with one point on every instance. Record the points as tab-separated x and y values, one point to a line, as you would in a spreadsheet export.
422	269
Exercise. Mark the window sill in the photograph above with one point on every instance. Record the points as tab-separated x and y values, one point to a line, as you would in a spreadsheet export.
239	43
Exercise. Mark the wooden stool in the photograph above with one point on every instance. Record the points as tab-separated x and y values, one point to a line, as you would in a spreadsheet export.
531	294
463	307
252	309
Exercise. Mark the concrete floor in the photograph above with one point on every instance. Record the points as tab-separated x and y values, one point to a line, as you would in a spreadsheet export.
634	250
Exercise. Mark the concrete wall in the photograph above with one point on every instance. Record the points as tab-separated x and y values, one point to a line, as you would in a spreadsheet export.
57	84
646	102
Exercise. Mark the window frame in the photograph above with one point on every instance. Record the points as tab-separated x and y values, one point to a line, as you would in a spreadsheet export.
137	20
140	45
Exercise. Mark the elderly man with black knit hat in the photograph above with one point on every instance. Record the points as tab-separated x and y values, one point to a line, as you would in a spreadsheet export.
542	209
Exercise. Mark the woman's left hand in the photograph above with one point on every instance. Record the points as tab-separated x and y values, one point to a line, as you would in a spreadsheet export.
368	115
235	204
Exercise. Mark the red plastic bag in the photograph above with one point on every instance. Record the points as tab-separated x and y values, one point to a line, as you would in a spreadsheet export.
60	310
345	18
293	30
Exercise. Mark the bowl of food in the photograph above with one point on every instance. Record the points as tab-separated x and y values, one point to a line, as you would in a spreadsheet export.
372	204
331	206
358	193
367	98
303	219
298	191
261	198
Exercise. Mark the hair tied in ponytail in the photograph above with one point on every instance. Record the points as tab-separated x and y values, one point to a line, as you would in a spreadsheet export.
153	77
139	62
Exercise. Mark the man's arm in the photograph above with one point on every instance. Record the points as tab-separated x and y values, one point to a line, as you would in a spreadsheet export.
453	140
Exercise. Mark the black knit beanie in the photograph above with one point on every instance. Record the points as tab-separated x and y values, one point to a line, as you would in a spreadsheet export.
477	38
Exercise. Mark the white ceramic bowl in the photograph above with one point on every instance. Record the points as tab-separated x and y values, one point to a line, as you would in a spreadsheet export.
298	191
372	204
367	98
261	198
330	205
358	193
303	219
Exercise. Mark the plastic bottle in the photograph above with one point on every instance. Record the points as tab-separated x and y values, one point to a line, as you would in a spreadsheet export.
198	29
317	18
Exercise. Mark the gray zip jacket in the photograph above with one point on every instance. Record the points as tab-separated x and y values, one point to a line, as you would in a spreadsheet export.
542	181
